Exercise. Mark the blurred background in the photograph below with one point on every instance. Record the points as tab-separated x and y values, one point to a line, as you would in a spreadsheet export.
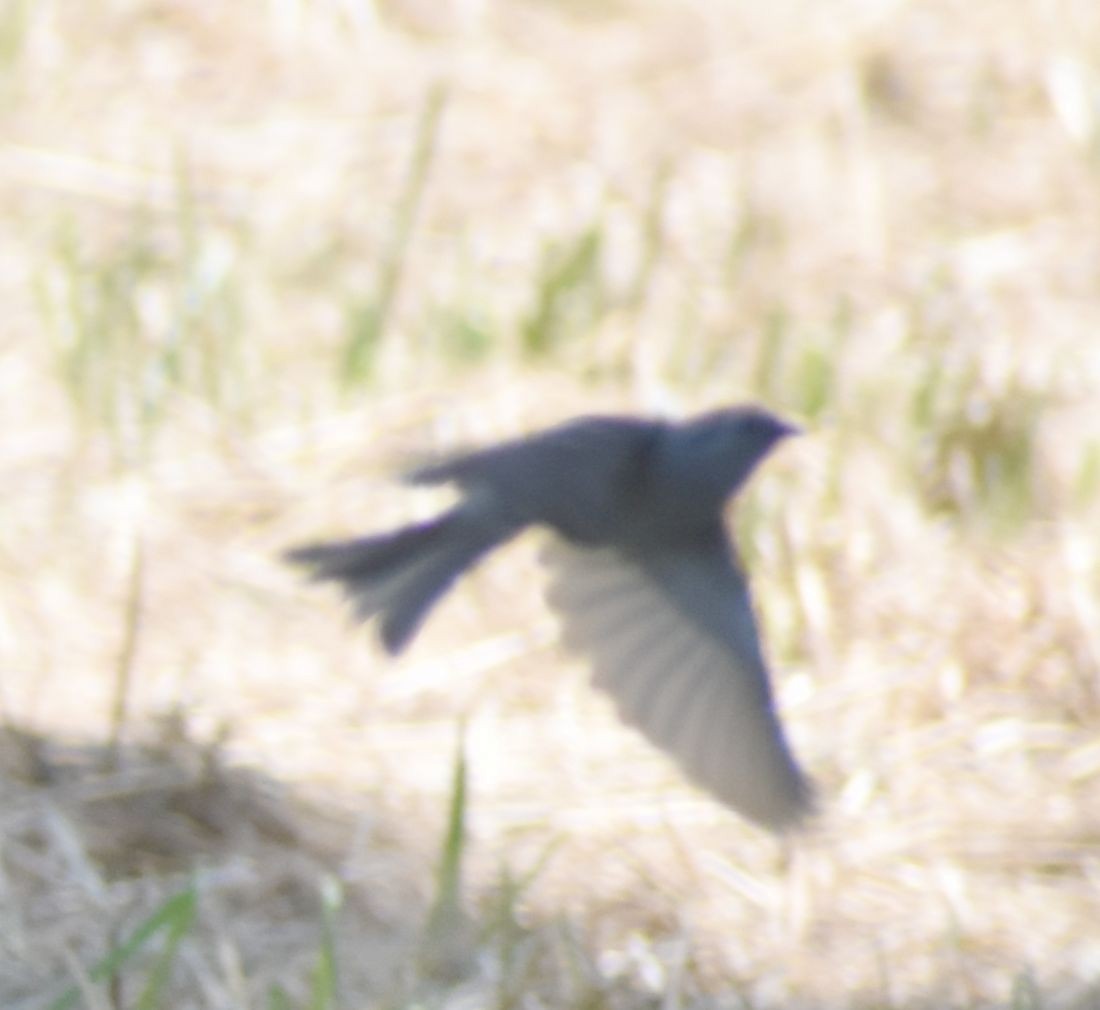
256	256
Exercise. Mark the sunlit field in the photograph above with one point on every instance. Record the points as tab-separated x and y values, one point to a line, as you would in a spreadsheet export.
257	257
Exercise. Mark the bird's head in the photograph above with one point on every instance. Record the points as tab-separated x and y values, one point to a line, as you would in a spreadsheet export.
706	459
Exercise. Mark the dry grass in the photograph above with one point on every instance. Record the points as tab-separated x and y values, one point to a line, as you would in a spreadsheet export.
255	254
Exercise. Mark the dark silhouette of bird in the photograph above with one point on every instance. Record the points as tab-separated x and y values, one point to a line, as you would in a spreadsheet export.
643	576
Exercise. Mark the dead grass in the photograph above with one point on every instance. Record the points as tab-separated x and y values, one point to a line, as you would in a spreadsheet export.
236	297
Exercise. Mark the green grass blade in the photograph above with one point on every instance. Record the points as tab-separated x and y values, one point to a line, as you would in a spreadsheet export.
325	976
449	873
445	941
568	290
369	318
173	917
177	926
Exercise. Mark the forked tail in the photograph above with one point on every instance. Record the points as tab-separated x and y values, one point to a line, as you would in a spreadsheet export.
400	576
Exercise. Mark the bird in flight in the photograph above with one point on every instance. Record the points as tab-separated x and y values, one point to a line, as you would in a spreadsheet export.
644	578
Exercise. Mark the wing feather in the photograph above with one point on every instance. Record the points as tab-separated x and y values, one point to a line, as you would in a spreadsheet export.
671	636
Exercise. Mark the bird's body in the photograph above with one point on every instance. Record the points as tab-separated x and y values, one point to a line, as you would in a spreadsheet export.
643	576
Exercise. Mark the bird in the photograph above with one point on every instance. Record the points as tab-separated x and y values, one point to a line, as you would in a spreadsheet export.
643	575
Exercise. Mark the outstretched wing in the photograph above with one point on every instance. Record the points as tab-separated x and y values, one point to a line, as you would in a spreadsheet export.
671	636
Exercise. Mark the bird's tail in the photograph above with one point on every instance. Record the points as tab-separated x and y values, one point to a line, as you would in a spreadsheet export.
400	576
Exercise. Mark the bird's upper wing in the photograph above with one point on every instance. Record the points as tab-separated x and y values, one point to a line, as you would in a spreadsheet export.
585	440
672	638
578	478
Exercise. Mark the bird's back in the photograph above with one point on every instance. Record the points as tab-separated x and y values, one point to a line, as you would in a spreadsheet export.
580	478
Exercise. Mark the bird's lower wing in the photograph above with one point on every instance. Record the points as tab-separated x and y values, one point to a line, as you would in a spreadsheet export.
673	640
